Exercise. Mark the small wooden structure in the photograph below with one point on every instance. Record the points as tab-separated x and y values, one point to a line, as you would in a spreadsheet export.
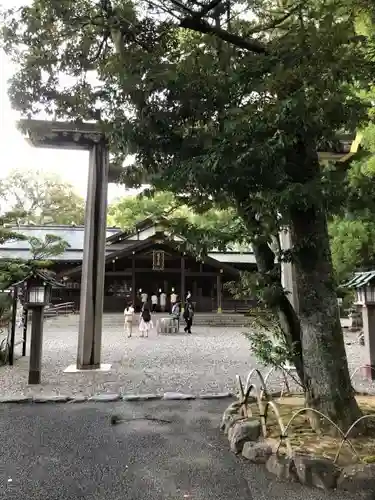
364	285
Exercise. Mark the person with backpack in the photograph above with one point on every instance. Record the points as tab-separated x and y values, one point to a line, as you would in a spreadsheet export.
145	323
188	315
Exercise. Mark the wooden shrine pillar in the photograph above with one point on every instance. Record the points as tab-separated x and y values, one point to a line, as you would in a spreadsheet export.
195	290
134	291
219	292
182	286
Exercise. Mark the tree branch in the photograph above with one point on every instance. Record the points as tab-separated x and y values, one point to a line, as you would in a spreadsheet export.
202	26
164	9
182	7
276	22
101	46
206	9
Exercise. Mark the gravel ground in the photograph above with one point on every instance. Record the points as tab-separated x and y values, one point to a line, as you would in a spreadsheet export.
205	362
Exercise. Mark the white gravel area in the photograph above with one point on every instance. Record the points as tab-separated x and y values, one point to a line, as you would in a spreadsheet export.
205	362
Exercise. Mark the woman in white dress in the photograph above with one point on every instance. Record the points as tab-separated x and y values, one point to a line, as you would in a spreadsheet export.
128	319
145	323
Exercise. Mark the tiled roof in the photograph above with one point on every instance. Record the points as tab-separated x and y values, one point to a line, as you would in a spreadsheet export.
74	236
360	279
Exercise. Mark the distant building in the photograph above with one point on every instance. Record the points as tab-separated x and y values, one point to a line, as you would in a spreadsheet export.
148	259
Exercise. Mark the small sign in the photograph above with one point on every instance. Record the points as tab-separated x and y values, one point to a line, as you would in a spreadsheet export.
158	260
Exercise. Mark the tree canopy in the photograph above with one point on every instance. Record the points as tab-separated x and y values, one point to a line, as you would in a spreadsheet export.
13	270
351	227
41	198
213	229
225	110
9	270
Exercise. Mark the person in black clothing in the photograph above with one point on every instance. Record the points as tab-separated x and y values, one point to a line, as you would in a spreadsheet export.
188	316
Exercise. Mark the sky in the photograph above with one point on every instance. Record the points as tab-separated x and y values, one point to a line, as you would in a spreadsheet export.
15	152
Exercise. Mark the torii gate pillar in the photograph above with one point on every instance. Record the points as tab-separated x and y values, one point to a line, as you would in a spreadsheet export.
93	265
84	136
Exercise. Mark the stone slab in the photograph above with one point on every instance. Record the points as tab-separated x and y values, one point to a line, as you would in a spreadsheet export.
15	399
51	399
218	395
282	467
258	452
359	477
316	472
73	369
141	397
168	396
78	399
243	431
105	398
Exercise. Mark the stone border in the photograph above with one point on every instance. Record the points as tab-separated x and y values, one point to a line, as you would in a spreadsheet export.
245	438
111	398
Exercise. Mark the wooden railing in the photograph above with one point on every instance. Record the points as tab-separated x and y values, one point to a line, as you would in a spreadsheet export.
59	309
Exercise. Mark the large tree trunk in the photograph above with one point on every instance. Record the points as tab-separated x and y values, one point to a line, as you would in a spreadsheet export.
274	297
320	356
324	357
279	303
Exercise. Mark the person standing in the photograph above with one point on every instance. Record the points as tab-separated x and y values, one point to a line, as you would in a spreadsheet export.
188	316
175	313
144	298
163	301
173	299
145	323
154	302
128	319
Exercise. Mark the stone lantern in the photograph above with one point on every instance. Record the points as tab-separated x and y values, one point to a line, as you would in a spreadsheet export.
364	285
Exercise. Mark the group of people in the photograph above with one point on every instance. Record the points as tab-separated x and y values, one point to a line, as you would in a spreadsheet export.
145	319
158	302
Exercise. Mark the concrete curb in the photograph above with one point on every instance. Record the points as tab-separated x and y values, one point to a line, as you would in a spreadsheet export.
111	398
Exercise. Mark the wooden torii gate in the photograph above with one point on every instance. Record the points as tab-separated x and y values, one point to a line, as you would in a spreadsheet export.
88	137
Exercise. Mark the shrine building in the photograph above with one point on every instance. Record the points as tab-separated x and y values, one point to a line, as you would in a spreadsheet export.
147	260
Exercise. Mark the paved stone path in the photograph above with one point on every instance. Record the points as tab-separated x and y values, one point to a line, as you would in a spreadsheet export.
205	362
71	451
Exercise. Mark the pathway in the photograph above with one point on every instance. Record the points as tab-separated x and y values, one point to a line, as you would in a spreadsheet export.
71	451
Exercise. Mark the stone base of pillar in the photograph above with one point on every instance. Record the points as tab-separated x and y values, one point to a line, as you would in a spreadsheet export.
368	372
100	368
219	310
96	366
